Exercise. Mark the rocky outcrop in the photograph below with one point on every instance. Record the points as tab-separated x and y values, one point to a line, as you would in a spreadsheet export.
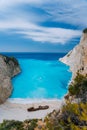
77	58
9	67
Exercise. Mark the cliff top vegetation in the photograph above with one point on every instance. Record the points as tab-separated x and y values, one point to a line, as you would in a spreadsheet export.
85	30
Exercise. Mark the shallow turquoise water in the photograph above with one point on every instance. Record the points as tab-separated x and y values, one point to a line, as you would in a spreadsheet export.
41	79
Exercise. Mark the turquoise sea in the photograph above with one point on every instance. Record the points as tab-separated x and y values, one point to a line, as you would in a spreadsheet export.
42	76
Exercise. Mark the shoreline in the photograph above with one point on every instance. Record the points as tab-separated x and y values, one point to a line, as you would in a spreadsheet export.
30	101
11	110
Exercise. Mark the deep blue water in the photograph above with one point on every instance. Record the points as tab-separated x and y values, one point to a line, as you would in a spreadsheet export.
37	56
42	76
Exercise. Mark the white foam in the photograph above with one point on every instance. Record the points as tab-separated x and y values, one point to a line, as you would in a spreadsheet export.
29	101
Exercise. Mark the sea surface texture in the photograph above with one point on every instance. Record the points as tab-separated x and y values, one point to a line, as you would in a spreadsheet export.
42	76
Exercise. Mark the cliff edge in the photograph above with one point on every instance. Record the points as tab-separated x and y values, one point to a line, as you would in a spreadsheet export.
77	58
9	67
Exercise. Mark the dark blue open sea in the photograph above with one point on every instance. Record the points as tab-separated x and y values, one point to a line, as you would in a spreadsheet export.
42	76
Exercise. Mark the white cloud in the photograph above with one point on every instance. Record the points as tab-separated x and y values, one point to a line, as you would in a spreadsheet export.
52	35
68	11
26	23
5	4
39	33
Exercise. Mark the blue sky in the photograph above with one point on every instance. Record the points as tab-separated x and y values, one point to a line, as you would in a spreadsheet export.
41	25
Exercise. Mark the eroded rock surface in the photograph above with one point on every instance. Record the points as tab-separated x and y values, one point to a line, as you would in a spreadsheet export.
77	58
9	67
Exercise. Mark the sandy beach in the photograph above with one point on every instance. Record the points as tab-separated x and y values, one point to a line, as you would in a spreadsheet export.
13	110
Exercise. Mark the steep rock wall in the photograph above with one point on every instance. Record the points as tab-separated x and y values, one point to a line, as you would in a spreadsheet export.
9	67
77	58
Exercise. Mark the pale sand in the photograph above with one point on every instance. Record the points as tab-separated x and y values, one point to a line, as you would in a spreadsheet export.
18	111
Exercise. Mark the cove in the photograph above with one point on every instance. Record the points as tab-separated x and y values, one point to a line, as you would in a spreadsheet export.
41	78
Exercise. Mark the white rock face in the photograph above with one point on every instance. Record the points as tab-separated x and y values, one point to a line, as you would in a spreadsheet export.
9	67
77	58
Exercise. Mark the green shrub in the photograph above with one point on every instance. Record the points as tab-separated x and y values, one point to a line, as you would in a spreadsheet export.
11	125
85	30
18	125
72	117
79	87
31	124
73	90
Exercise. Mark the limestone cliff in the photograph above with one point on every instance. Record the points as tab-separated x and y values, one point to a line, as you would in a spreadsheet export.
9	67
77	58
